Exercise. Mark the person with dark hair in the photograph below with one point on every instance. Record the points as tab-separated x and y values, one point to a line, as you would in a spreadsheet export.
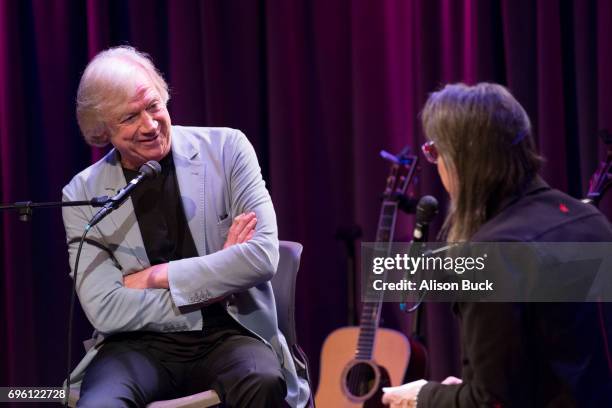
181	301
513	354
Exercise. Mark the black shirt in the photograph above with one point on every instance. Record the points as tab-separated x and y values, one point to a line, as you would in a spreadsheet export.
160	215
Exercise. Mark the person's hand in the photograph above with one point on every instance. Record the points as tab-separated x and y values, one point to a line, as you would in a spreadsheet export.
403	396
242	229
452	380
153	277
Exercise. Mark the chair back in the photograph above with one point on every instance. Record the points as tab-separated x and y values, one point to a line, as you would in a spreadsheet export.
283	285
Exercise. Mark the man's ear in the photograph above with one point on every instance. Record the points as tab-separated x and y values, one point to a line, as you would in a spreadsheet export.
105	135
102	137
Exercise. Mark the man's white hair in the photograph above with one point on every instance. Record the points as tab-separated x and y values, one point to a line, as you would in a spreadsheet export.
110	79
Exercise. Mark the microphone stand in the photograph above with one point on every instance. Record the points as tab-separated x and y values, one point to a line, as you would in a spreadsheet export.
25	207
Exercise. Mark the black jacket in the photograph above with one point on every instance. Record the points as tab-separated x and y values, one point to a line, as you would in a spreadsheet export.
534	354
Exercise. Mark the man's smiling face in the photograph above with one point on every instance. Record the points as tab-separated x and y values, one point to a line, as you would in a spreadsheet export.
141	129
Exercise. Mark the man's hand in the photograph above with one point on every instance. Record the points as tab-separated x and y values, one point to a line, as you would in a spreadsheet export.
404	396
154	277
242	229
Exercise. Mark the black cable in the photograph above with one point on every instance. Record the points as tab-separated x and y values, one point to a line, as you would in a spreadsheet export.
71	315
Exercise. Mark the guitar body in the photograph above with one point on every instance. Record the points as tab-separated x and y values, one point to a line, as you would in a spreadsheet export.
389	362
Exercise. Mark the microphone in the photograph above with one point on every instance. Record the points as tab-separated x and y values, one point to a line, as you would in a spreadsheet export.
426	210
149	170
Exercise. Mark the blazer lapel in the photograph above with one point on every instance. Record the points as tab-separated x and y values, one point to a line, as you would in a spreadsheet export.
191	177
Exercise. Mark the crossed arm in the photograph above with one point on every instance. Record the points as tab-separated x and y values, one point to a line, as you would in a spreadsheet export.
156	276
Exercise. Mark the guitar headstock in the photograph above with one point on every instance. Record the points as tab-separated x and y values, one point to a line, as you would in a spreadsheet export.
602	178
402	170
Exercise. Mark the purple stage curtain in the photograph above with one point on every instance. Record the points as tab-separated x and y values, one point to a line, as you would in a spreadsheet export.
319	87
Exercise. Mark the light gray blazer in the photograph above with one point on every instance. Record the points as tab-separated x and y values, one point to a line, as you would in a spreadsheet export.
218	177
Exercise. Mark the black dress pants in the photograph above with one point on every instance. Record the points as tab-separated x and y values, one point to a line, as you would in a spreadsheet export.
130	371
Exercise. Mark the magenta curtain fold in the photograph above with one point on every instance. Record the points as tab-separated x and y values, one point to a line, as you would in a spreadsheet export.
319	87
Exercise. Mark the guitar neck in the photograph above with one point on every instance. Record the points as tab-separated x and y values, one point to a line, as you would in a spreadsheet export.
370	312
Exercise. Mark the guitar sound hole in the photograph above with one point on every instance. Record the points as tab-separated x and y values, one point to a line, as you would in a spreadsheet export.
360	379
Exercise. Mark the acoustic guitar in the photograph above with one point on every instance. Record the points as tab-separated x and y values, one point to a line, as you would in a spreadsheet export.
356	362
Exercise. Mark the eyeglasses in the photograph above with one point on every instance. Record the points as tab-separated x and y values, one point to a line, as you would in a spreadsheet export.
430	152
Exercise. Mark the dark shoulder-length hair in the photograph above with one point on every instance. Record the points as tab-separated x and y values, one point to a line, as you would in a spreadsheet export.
485	139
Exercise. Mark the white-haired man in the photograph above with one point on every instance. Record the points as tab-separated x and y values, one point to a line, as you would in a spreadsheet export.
181	302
